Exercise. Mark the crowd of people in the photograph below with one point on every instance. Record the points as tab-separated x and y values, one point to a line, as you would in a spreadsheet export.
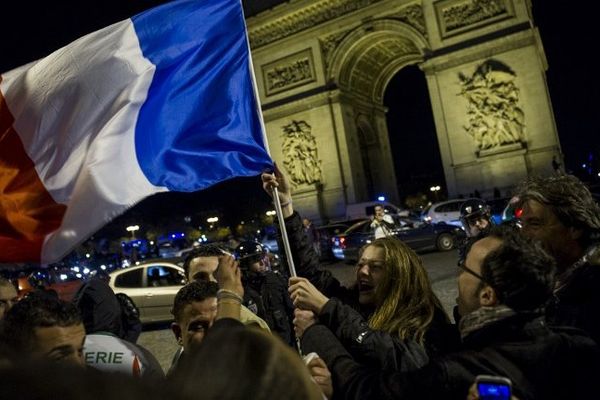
526	313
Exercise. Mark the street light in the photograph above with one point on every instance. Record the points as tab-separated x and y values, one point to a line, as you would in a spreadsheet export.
132	229
435	190
212	220
270	213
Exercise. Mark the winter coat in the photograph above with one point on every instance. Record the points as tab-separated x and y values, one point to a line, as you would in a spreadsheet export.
577	302
542	363
266	294
103	311
347	318
105	347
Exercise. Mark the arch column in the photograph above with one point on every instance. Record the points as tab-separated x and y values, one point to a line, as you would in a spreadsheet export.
487	84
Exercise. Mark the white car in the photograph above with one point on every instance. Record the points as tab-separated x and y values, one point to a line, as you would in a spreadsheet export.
152	286
445	211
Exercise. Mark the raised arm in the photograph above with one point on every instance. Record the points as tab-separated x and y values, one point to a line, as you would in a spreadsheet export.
306	261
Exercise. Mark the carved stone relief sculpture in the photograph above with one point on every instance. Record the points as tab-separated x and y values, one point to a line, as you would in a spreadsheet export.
457	16
300	157
289	72
495	118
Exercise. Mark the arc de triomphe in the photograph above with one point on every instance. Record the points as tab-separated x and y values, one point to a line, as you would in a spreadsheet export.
322	67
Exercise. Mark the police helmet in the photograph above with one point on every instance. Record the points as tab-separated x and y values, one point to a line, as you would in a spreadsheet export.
249	252
472	210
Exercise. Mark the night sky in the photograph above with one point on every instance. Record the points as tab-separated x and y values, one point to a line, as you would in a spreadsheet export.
32	30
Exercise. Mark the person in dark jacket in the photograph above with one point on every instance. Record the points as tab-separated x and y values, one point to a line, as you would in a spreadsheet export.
102	310
265	291
234	361
105	349
391	306
561	212
503	286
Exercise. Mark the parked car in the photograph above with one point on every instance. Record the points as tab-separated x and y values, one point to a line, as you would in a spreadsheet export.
269	241
497	207
326	233
64	282
171	244
152	286
445	211
417	235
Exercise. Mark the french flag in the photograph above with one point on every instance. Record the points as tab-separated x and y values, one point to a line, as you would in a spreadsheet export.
163	101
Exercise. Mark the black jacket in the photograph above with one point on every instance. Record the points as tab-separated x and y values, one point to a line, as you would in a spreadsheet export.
577	303
306	262
267	296
103	311
542	363
348	319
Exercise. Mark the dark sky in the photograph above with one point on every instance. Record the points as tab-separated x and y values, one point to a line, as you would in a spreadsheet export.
32	30
574	89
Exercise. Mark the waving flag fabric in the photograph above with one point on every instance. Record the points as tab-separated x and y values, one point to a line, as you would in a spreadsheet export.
161	101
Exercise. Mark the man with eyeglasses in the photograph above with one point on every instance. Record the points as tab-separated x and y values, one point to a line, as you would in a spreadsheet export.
560	212
502	287
8	296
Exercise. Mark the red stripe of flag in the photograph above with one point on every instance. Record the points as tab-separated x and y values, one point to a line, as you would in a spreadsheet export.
27	211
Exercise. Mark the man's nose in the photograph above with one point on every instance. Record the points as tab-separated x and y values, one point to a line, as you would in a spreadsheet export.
75	358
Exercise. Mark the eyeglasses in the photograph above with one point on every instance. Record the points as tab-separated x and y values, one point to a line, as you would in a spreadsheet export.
468	270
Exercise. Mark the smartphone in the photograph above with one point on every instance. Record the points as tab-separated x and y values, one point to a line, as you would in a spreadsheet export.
490	387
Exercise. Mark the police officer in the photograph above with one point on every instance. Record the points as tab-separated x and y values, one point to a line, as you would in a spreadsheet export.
476	219
265	291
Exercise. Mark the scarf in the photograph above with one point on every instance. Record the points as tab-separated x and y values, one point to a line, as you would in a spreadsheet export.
482	317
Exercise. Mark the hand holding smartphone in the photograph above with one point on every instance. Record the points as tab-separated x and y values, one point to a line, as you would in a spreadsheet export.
490	387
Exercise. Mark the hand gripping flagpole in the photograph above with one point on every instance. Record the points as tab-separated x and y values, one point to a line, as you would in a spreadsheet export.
275	192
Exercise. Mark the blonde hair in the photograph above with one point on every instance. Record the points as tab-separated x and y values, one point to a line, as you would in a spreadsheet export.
405	302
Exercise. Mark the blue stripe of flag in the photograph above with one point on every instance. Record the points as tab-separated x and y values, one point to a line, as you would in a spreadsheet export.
200	123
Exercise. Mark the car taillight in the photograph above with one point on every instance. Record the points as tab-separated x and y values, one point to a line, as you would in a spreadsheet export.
518	212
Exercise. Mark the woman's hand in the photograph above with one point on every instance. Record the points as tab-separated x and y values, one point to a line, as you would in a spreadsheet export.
305	296
279	181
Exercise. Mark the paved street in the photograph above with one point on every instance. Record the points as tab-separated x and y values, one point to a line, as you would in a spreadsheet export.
442	271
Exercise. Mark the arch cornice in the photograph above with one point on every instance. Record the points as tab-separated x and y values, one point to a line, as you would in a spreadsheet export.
368	56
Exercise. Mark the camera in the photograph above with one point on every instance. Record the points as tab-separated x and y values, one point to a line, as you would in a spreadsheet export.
490	387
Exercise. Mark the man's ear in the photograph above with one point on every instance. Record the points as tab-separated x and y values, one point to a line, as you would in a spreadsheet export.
176	331
488	297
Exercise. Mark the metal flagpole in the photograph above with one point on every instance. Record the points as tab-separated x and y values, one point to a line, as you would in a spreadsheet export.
276	202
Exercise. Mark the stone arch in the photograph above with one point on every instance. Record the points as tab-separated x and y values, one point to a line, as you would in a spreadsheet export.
369	56
328	63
